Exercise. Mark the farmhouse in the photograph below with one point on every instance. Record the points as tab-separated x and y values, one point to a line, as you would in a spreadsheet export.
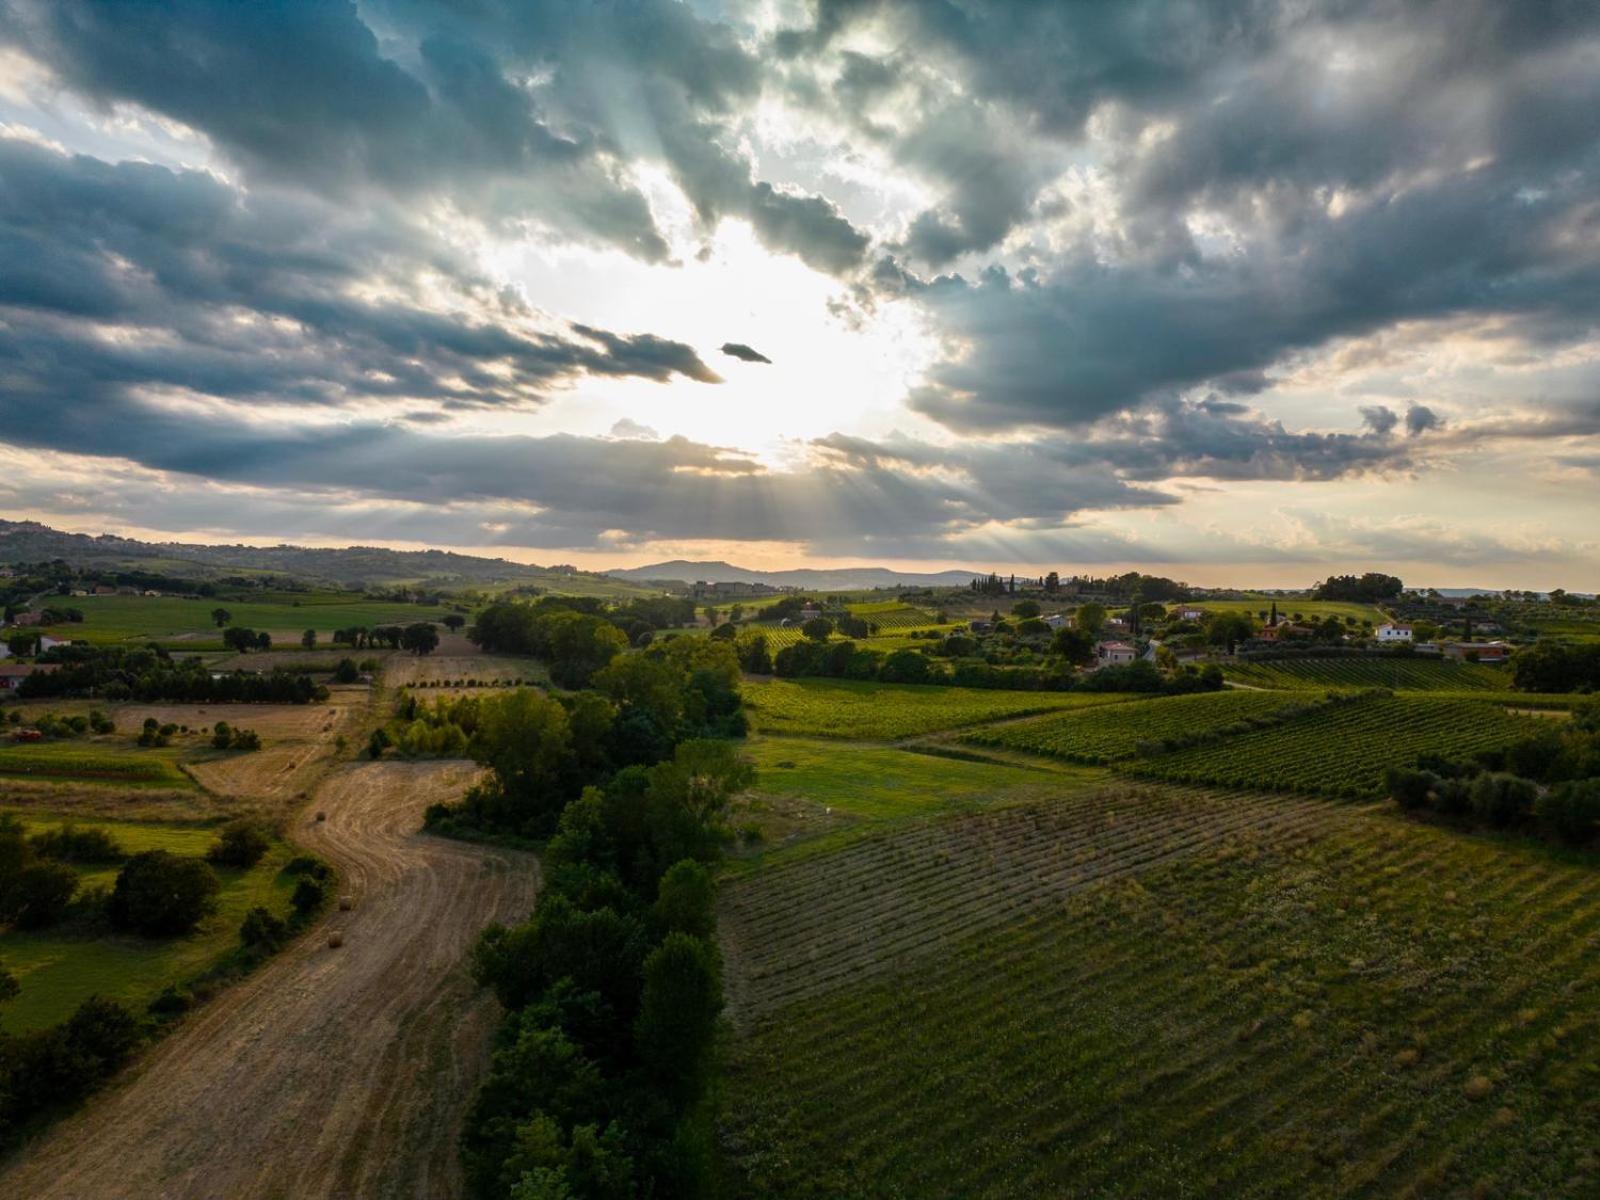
1191	614
979	626
1389	632
1055	621
46	642
25	618
810	613
1114	654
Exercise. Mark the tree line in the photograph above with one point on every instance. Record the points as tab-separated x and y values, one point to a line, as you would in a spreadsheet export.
115	673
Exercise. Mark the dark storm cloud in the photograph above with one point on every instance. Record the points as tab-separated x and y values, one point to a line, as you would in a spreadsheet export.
129	276
747	353
1420	418
517	113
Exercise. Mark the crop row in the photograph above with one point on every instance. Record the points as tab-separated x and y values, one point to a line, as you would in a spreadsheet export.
805	928
1399	674
1105	735
61	761
1345	750
1381	1009
843	708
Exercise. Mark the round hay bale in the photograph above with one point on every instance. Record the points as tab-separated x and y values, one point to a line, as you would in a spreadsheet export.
1477	1087
335	940
346	903
322	816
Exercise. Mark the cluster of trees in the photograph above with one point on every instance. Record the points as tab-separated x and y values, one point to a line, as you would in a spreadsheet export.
1548	782
1369	588
569	633
543	750
245	640
116	673
420	637
1556	667
846	660
599	1080
50	725
51	1069
226	737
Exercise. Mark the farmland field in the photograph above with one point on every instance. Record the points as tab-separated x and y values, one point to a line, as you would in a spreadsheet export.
1310	610
1167	994
111	619
94	762
57	972
1342	751
843	708
1102	735
1401	674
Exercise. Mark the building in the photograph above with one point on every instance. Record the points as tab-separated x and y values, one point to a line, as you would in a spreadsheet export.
104	589
809	613
25	618
1391	633
1483	652
1055	621
1191	614
980	626
46	642
1115	654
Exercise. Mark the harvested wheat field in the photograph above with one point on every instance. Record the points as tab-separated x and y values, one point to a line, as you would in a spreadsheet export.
329	1072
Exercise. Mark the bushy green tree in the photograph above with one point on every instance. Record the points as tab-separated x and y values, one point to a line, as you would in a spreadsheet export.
159	893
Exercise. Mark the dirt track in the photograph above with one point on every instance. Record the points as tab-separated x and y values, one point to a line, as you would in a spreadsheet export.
329	1072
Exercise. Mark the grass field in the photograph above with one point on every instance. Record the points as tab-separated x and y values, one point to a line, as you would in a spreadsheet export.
848	709
1342	751
1400	674
1103	735
58	972
94	761
1168	993
111	619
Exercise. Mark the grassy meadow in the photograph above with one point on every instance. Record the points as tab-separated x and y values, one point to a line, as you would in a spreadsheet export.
113	761
58	968
111	619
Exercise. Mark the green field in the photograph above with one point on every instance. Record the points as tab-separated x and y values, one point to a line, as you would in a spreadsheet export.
1103	735
82	761
1343	751
1172	994
111	619
57	972
848	709
1359	674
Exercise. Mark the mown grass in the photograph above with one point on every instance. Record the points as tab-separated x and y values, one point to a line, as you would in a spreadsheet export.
1103	735
110	619
1372	1008
1358	674
1310	610
75	761
58	971
849	709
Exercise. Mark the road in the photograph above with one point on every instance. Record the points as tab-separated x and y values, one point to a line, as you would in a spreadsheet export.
329	1072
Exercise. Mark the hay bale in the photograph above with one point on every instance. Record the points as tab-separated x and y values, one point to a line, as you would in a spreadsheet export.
335	940
346	903
322	816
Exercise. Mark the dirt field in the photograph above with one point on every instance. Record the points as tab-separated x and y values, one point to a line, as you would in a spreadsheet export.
330	1072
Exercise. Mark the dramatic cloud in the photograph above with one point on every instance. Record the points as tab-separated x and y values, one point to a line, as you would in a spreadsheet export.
741	351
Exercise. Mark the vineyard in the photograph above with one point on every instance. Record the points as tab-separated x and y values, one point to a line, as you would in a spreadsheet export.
79	763
1399	674
847	709
1305	1000
1343	750
894	617
1105	735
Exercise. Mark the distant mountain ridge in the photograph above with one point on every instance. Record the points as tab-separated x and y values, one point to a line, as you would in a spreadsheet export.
30	541
822	579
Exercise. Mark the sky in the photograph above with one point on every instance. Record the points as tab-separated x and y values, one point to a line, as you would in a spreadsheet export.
1241	293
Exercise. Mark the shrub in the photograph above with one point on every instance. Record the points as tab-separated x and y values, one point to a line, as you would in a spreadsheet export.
171	1002
221	735
240	844
262	931
1454	796
1410	789
1502	799
1570	811
308	898
39	895
686	899
160	893
70	844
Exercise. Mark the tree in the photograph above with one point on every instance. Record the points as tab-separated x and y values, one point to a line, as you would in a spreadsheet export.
817	629
241	639
263	640
1074	645
38	896
420	638
454	621
686	899
1025	608
678	1011
308	639
1052	583
160	893
240	844
1090	618
1227	629
221	616
8	985
346	671
23	644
